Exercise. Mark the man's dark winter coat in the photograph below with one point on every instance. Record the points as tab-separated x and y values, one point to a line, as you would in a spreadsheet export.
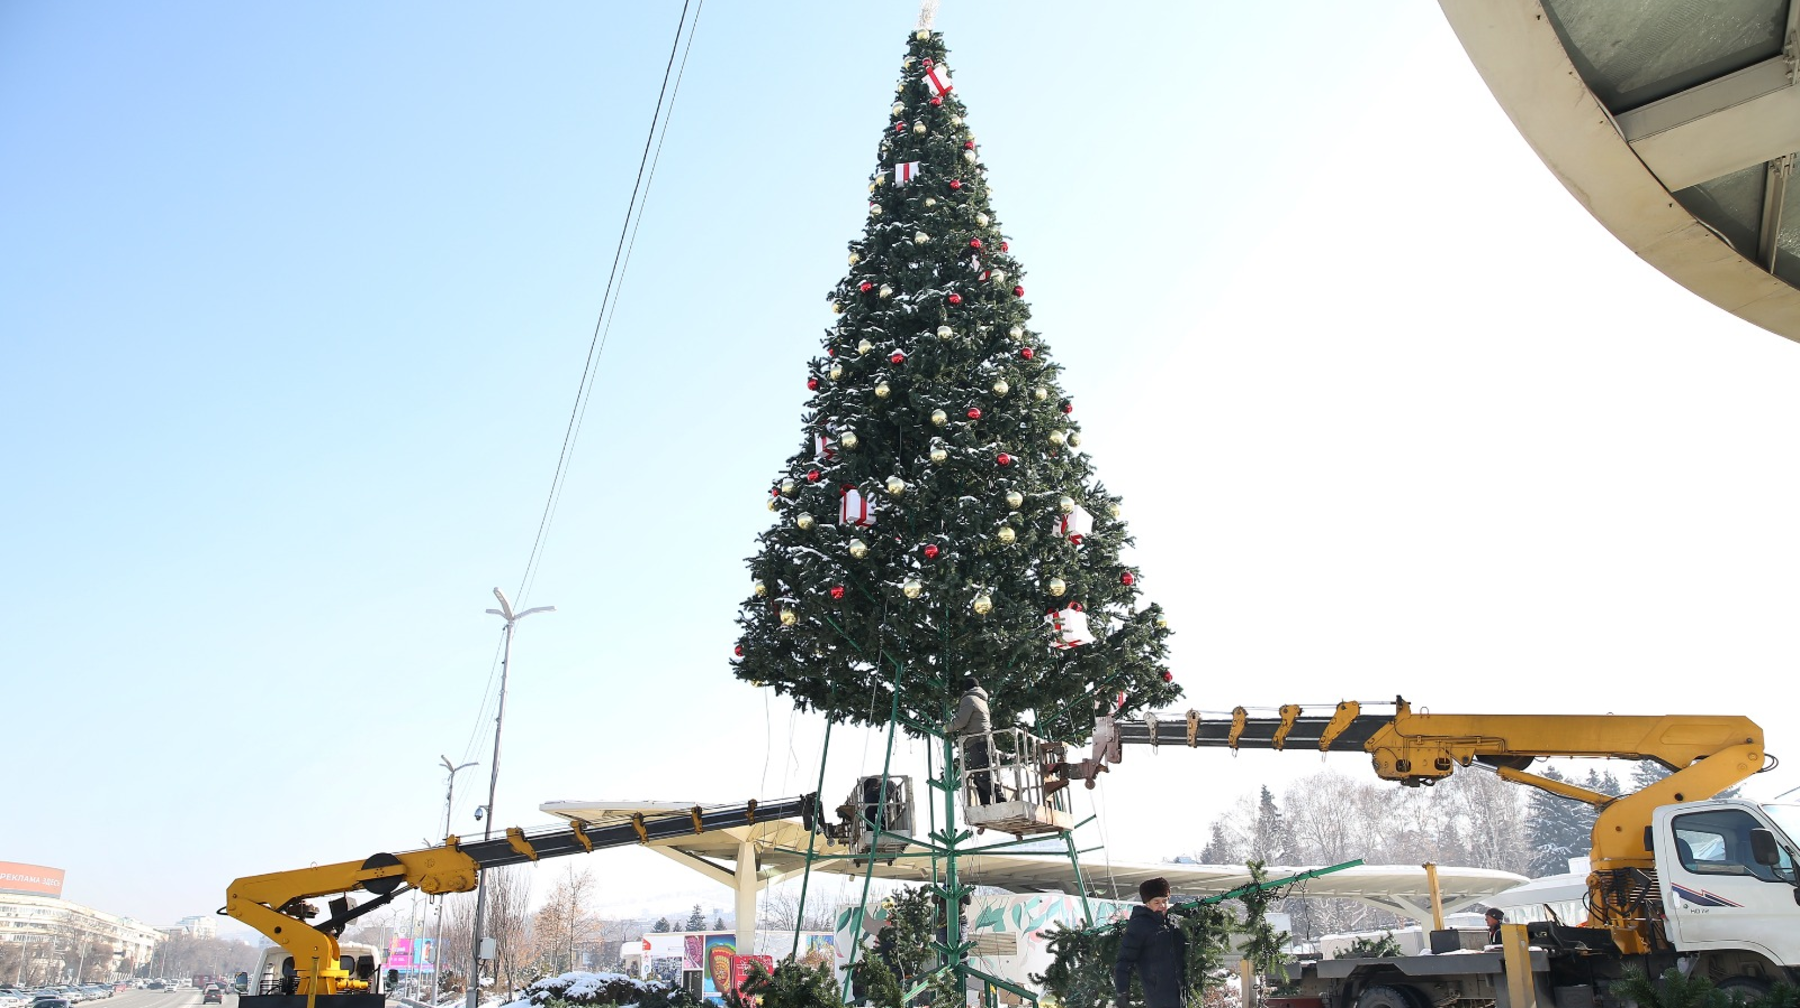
1156	948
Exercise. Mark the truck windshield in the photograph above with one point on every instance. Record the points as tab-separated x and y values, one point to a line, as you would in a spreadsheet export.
1788	818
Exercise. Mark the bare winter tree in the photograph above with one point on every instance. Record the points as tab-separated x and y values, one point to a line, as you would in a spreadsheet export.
565	924
779	908
509	922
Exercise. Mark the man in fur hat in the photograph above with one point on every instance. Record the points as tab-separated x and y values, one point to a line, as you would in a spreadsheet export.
1156	948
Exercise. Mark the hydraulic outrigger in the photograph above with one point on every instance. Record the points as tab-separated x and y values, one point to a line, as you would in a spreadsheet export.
276	904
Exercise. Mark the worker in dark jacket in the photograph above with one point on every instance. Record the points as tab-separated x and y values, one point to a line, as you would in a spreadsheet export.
1156	948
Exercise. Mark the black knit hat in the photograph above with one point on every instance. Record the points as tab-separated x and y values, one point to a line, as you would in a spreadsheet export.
1150	889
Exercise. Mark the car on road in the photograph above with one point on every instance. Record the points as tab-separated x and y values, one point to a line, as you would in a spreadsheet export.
51	1002
212	995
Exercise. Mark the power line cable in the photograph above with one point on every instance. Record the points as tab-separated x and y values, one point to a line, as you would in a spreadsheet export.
602	321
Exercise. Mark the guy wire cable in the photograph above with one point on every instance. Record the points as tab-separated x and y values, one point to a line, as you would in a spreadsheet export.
621	255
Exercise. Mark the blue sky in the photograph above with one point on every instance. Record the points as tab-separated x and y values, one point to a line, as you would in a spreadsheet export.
294	302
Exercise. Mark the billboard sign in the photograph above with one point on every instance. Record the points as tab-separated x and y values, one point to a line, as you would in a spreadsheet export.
399	954
30	879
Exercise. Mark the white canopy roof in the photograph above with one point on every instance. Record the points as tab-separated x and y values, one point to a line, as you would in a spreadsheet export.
780	849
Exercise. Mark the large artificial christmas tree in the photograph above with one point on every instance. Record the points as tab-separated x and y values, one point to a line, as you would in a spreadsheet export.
940	519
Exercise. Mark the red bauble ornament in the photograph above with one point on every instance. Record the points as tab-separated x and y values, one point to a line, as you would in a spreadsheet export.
739	650
968	145
899	127
831	351
865	286
1127	578
1168	676
1003	246
775	491
1066	406
1027	353
937	101
1004	459
813	477
837	591
956	183
931	551
812	384
1018	292
897	358
956	299
974	242
974	413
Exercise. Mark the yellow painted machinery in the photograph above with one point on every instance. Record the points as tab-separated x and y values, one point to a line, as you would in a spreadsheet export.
277	904
1704	754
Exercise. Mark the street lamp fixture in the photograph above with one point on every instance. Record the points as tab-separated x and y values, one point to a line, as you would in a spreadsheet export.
506	613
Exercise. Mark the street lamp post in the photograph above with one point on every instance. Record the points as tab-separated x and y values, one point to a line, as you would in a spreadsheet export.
506	613
437	941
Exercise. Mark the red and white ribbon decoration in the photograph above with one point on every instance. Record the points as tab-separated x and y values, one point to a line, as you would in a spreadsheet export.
905	172
1070	626
1076	525
855	508
937	80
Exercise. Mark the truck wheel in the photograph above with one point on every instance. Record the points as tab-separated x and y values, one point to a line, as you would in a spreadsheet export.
1384	996
1751	987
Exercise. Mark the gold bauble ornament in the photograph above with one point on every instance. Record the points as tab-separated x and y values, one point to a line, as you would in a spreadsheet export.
836	309
855	257
789	617
864	346
920	237
1006	534
881	390
1040	393
922	35
1058	438
919	128
898	108
1074	439
836	372
956	120
911	588
1065	504
1162	623
895	486
969	156
787	488
900	88
930	201
1000	387
982	605
1056	586
939	417
939	456
858	548
871	187
1114	510
805	521
874	211
945	332
999	276
1017	332
881	179
850	440
1015	499
886	291
759	589
981	219
771	503
906	64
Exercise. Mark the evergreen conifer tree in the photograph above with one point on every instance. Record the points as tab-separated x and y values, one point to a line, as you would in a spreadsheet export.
1560	829
940	519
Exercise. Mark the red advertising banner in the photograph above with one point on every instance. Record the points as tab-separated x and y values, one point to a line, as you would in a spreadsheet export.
35	880
740	969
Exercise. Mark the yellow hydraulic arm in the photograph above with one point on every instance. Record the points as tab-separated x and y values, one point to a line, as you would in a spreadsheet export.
1705	754
276	904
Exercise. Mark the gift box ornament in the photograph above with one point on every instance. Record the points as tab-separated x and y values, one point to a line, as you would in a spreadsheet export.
1076	525
1069	627
855	508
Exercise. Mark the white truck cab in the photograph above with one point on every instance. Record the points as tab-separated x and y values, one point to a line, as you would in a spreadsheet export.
1726	870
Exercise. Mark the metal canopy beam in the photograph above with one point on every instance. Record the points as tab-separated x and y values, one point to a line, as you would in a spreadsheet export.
1725	125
